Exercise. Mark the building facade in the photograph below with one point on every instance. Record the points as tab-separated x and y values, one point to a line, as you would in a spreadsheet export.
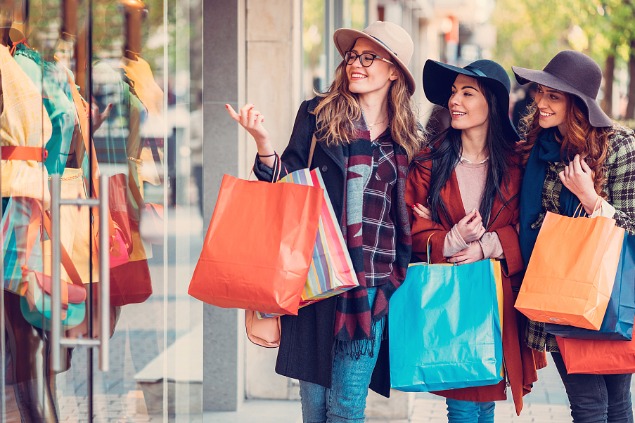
134	92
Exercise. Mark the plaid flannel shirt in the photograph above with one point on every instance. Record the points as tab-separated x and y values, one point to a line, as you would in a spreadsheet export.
620	193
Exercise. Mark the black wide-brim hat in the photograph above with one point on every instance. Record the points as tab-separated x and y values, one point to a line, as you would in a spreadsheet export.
574	73
438	78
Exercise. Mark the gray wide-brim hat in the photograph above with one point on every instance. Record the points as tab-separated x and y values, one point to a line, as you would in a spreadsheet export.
438	78
573	73
386	35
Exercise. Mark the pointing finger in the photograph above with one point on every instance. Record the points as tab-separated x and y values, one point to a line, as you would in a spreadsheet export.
232	112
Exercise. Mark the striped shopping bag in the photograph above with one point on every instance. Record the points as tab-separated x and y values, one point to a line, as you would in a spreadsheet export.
331	271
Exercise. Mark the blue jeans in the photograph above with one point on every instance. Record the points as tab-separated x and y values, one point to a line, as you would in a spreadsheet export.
597	398
470	411
345	401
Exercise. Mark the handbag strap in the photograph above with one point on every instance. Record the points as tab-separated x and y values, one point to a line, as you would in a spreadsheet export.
81	106
71	270
311	151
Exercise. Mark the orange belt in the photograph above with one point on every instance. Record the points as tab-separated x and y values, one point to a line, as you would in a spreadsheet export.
23	153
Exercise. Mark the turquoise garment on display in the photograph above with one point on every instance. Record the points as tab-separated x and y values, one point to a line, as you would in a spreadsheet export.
52	81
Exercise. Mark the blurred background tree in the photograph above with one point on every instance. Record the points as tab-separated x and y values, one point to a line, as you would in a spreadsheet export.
529	33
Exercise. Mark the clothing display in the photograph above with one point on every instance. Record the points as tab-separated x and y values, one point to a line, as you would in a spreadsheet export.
23	123
44	131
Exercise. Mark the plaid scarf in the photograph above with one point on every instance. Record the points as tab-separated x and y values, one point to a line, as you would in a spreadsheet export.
373	226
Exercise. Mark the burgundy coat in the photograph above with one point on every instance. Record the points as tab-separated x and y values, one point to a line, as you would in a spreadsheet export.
521	362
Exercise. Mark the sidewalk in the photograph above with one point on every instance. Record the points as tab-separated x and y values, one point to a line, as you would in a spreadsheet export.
547	403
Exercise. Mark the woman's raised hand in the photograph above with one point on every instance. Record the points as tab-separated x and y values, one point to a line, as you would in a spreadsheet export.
577	176
250	119
471	227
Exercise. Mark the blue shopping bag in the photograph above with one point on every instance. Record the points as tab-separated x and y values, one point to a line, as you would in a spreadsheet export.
445	328
620	313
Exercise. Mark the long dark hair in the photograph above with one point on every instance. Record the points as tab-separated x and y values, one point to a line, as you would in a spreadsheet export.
445	156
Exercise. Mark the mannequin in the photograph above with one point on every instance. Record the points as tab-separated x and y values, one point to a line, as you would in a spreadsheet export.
5	21
134	12
19	25
29	370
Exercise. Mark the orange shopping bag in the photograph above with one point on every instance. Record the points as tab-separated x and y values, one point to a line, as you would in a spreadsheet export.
592	356
571	271
258	247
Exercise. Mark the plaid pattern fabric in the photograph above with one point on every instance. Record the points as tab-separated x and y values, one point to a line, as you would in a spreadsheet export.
378	229
620	190
370	233
354	315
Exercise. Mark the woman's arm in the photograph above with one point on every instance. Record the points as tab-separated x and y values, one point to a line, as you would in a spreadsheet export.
295	155
578	178
252	120
621	179
417	186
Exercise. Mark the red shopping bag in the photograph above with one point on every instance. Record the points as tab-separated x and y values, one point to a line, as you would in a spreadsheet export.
258	247
589	356
131	283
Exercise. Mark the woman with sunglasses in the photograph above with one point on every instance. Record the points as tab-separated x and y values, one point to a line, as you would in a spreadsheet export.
366	133
574	154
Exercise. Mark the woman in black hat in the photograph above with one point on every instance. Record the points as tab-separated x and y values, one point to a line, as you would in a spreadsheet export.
463	190
575	154
366	134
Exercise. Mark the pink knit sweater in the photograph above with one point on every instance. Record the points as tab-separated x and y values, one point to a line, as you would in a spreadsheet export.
472	178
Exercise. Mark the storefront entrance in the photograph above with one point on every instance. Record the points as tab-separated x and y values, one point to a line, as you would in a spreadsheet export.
101	133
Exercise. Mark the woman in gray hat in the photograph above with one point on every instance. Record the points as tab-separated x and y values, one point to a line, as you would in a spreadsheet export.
463	190
575	154
366	134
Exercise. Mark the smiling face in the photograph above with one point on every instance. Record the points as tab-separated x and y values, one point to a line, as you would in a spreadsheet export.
467	104
374	79
552	108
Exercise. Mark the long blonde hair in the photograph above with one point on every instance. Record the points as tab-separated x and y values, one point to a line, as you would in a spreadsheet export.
581	138
339	109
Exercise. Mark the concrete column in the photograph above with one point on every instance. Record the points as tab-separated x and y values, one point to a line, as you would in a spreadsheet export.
223	339
273	51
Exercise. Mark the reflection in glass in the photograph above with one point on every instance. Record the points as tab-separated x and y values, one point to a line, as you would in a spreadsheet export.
117	105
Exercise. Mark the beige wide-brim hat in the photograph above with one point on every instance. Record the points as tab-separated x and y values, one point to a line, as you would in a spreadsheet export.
386	35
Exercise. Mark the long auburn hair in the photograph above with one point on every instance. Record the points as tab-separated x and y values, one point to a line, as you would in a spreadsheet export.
446	155
340	108
580	138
